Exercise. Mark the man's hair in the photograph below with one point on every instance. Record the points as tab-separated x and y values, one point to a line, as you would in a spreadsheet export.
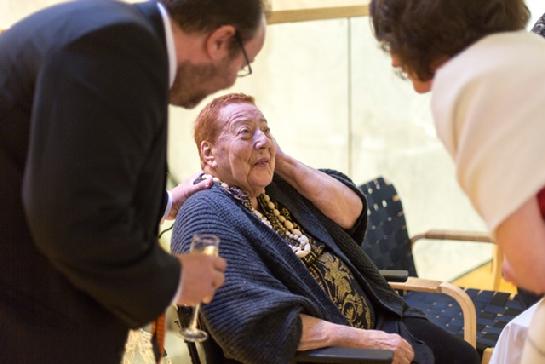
539	26
422	32
207	125
207	15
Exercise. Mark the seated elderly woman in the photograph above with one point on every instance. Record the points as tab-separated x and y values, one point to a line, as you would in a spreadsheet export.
296	276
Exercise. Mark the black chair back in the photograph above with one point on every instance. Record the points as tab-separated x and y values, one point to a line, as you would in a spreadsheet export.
387	243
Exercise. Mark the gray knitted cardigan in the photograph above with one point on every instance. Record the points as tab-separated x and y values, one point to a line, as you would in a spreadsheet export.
254	317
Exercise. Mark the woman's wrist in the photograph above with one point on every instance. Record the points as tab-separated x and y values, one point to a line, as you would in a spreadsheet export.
285	165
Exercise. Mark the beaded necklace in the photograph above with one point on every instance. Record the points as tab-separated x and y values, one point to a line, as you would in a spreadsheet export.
279	221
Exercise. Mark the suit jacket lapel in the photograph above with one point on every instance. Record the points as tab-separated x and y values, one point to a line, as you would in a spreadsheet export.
150	11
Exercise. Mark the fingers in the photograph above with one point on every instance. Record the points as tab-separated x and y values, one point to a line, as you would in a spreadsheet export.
217	282
201	276
220	264
404	353
202	185
408	351
182	191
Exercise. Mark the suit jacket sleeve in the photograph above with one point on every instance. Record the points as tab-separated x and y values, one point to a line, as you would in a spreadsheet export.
97	114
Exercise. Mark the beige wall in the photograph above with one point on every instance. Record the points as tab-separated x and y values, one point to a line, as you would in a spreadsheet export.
332	100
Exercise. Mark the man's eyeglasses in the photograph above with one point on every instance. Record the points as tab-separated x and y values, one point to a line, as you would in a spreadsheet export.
246	70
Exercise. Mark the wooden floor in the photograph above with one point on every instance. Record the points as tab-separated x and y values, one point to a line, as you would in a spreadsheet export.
482	278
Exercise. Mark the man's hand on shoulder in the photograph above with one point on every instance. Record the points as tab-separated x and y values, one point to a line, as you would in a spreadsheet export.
182	192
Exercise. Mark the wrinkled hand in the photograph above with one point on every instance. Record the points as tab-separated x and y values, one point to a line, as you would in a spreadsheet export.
279	154
181	192
403	351
200	277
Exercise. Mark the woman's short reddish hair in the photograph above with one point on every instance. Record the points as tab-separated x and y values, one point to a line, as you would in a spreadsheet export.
207	126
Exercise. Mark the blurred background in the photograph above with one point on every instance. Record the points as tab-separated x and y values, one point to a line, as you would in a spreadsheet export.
332	100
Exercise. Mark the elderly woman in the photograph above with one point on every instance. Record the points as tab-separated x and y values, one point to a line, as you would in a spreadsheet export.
296	277
485	73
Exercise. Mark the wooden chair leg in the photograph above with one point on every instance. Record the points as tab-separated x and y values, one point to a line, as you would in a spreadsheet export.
487	354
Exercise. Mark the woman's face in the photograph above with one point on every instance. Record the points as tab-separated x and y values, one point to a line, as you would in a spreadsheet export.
418	85
244	154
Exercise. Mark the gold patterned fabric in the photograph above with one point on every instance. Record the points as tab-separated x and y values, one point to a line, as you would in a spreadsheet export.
331	274
341	287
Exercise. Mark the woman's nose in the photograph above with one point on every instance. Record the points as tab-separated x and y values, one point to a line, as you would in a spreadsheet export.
262	140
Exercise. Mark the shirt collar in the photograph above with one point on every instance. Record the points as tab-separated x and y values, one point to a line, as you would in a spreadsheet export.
171	48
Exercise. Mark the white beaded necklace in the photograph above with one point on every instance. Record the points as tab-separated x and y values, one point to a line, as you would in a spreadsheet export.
298	241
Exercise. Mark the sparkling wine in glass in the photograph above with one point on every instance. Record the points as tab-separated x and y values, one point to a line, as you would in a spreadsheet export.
206	244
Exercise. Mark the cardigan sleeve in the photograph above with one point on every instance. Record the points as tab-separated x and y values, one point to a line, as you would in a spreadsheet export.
254	317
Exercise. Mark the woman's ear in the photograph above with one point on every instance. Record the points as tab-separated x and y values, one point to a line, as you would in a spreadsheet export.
207	154
218	43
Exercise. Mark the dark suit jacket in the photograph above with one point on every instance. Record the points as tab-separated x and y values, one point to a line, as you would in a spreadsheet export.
83	125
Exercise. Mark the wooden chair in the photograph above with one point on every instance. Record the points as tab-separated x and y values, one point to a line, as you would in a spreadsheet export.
387	242
381	227
333	355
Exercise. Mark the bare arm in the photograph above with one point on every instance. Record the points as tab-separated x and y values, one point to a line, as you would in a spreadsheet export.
522	238
318	333
333	198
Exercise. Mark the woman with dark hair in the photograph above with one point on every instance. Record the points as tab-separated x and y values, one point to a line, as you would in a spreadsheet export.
485	73
296	277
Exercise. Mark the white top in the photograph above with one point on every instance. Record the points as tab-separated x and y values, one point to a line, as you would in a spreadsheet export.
488	105
508	349
534	348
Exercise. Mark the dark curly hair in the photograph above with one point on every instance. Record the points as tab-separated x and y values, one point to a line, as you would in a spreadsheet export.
539	26
422	32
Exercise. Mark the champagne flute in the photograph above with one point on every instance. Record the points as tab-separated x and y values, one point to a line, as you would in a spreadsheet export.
206	244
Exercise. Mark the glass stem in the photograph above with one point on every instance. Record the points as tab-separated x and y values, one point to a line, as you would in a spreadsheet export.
194	319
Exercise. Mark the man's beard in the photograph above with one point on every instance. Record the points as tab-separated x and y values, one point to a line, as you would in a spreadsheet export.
188	89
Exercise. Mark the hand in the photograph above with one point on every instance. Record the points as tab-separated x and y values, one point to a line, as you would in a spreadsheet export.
181	192
403	351
201	275
284	164
279	154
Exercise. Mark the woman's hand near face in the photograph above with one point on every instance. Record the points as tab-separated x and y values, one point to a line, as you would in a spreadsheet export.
320	189
280	157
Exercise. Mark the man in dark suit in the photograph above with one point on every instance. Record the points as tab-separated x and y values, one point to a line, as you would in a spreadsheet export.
84	88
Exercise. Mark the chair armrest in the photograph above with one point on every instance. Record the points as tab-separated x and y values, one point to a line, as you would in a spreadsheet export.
458	294
394	275
340	355
453	235
464	235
